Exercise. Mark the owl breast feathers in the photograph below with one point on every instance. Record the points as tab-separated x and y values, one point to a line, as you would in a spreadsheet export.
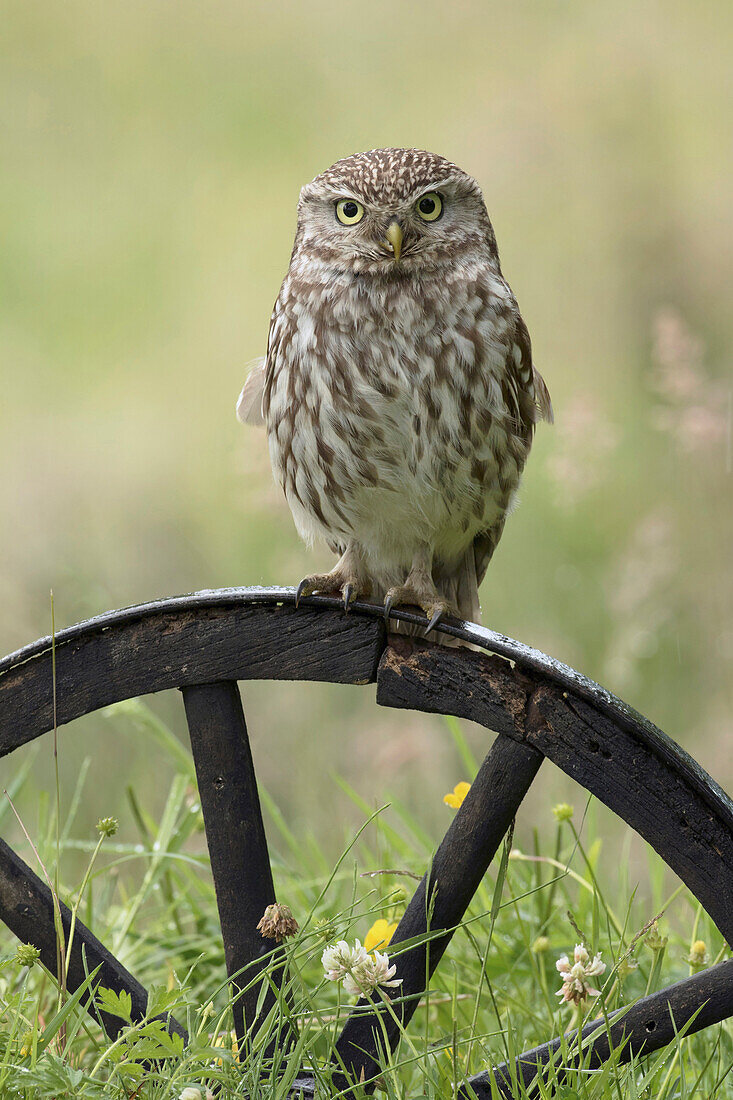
398	389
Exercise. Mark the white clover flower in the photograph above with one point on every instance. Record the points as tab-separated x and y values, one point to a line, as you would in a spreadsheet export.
190	1093
340	959
372	972
575	984
359	971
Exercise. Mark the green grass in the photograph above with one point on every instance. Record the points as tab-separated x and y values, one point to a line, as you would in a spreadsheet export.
152	902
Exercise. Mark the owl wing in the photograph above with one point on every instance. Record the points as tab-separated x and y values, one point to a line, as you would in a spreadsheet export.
524	387
527	396
249	403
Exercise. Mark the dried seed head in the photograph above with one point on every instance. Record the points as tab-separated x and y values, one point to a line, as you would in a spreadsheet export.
277	923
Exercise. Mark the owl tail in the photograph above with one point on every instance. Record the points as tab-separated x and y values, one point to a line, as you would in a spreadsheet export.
460	586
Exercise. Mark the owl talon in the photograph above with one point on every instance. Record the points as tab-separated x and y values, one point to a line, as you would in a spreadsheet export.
437	616
344	581
419	591
318	582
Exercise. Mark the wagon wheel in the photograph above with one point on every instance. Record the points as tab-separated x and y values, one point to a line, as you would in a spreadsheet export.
204	643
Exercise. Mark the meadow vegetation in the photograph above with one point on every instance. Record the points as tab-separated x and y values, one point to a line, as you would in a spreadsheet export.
495	993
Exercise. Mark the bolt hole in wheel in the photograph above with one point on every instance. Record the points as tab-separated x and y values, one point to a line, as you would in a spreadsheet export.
203	644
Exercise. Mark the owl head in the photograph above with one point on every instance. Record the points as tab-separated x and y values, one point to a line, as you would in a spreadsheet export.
395	213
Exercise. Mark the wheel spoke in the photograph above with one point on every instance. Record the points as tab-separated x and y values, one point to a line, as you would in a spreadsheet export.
645	1027
240	862
205	642
637	771
445	891
26	906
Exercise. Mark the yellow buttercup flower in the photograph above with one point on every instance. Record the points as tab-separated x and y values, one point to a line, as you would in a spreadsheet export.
455	797
698	956
380	934
224	1040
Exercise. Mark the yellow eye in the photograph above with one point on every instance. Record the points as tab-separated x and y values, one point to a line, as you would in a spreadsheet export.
430	206
349	211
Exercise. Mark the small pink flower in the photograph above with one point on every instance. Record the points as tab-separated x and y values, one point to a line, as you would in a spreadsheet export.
575	985
696	407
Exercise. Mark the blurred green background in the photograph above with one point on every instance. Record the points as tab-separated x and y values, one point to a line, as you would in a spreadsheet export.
151	162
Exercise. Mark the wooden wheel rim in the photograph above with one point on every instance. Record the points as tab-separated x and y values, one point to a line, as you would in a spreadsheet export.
538	707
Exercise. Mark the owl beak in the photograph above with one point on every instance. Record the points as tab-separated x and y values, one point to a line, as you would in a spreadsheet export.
393	239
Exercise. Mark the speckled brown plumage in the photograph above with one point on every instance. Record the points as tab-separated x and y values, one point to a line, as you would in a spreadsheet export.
398	389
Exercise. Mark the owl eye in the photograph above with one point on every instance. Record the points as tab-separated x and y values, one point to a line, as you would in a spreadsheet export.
349	211
430	207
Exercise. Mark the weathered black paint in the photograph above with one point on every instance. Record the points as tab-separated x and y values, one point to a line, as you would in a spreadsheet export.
540	707
645	1027
445	892
26	906
235	833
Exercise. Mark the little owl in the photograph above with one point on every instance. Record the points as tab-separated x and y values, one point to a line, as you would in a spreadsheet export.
398	388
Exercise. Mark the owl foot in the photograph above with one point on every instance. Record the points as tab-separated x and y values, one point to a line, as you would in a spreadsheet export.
338	582
425	597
